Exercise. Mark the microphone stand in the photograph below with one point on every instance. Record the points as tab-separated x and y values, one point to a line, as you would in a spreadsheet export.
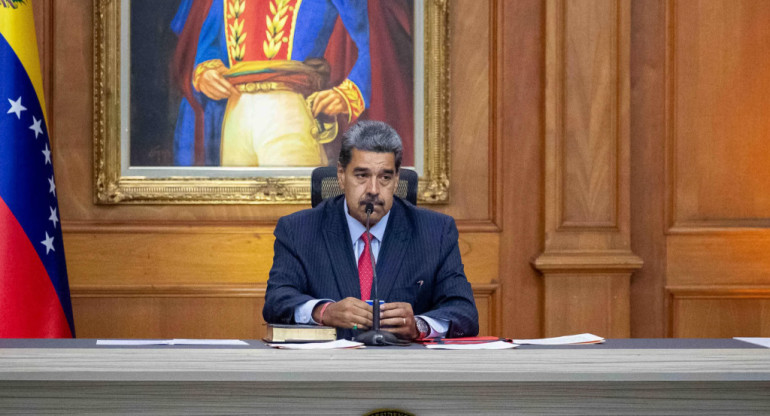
376	337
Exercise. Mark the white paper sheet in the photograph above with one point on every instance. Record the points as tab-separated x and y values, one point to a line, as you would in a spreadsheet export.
331	345
765	342
495	345
208	342
134	342
565	340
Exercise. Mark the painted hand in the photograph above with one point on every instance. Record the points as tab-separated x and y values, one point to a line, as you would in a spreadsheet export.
330	103
215	86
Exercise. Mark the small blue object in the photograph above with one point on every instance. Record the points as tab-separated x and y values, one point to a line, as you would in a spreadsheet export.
371	302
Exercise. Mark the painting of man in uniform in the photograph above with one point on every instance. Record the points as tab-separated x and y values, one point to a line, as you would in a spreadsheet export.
266	83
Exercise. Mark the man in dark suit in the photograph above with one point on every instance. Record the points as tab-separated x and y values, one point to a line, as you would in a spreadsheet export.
322	264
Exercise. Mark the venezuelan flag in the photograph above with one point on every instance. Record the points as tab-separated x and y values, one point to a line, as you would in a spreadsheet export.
34	293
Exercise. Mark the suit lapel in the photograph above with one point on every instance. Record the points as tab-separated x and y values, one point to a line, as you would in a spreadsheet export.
340	249
393	250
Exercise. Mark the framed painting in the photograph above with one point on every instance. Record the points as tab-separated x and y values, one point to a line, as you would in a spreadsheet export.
236	101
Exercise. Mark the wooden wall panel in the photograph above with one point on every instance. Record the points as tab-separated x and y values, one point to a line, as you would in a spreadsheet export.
587	261
649	318
143	280
202	311
728	258
472	194
720	312
566	296
520	123
488	299
590	80
698	129
587	125
718	141
169	313
720	131
198	255
222	255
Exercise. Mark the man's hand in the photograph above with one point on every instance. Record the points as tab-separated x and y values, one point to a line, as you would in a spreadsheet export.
329	102
347	313
214	85
398	318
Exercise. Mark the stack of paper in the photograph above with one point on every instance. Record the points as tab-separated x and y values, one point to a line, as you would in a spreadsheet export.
565	340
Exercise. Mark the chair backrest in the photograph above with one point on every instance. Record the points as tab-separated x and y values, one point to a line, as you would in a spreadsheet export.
324	185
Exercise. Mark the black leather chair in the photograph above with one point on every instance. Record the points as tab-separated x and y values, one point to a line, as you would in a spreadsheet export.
324	185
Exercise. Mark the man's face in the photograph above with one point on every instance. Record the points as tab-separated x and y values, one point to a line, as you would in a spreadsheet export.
369	177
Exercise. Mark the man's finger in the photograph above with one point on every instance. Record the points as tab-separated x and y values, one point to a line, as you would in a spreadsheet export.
220	85
361	321
319	105
211	93
393	322
356	302
329	102
392	313
398	305
396	310
225	86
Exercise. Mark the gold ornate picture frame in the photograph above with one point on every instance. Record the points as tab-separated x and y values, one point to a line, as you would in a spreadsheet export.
115	182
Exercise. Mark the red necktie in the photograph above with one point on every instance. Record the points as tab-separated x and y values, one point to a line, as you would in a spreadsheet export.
365	272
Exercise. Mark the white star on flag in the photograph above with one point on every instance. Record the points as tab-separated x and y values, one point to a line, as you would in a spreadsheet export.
52	189
36	126
53	218
47	154
48	243
16	107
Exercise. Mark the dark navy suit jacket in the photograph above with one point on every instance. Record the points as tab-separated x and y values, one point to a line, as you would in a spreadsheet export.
419	263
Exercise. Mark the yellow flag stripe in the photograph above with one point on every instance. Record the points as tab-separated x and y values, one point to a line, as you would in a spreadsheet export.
18	28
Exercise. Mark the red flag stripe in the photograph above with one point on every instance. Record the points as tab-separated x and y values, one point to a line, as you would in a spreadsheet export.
29	306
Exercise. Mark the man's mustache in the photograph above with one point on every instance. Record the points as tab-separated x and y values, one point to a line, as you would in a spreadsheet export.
373	201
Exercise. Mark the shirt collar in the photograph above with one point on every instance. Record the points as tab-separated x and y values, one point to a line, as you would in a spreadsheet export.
357	229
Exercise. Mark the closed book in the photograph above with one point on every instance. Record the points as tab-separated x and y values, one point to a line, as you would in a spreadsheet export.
300	333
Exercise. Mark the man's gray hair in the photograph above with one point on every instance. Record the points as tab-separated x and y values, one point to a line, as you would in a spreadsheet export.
371	136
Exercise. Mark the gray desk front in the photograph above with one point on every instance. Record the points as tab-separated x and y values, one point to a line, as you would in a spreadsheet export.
720	377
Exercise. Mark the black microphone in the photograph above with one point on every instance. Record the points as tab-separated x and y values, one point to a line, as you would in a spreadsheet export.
376	337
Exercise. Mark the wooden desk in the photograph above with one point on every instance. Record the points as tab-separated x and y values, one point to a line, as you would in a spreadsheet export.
621	377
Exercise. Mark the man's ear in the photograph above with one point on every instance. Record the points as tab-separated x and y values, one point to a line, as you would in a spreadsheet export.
341	176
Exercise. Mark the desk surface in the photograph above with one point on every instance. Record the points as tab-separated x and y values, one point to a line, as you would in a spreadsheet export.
619	377
624	343
615	360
